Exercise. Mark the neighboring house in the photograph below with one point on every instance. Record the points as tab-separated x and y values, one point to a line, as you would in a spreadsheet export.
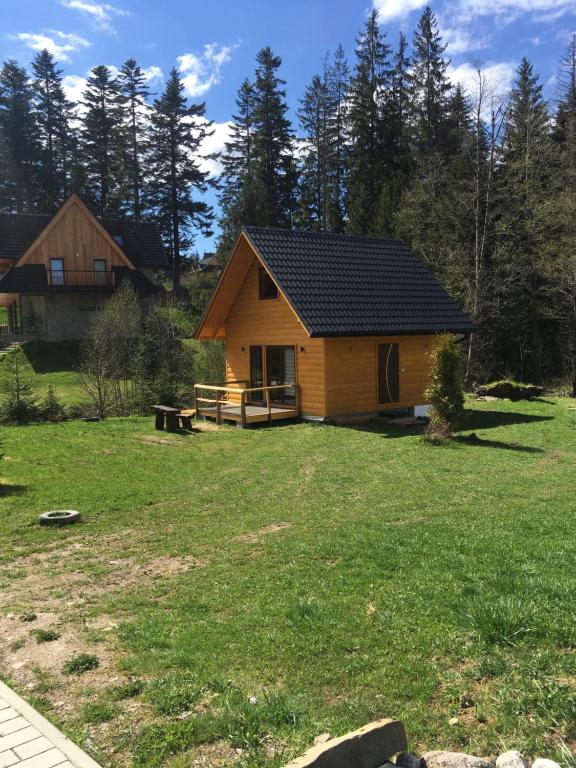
348	320
57	271
209	263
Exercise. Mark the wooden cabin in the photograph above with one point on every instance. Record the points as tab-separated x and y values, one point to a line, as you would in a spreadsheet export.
322	326
57	271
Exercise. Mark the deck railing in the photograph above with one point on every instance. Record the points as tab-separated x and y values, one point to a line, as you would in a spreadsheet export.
66	278
221	399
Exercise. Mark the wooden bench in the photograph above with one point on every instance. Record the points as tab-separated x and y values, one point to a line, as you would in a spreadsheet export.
170	418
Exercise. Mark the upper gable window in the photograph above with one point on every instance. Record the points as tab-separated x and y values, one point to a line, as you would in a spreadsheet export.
119	239
267	288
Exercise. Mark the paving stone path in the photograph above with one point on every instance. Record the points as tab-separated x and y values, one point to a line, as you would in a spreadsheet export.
28	740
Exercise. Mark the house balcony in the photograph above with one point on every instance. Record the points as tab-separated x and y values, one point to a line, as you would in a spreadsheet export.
80	278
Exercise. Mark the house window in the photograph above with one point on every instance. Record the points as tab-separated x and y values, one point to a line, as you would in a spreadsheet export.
99	271
267	288
57	271
281	369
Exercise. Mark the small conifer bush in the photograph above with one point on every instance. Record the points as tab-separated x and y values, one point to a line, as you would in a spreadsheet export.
446	391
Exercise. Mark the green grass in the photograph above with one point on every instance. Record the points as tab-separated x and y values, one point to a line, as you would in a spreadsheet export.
273	584
53	364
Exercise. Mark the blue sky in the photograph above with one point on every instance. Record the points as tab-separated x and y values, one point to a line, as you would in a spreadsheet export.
214	42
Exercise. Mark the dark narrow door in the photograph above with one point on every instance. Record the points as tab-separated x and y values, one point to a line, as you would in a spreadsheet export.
281	369
388	373
256	373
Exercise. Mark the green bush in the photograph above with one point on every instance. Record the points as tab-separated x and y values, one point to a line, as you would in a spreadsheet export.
20	404
52	409
446	390
510	390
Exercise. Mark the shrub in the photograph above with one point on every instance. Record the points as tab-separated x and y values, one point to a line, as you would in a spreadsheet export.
80	663
509	389
446	391
52	409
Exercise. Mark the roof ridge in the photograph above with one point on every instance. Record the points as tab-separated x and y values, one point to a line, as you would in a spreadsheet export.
343	235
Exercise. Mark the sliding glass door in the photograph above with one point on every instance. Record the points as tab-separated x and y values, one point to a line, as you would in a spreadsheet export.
270	366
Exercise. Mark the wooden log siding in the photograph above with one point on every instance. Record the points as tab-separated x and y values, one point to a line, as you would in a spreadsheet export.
251	321
352	373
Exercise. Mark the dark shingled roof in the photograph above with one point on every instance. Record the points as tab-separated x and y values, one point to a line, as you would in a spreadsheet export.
343	285
139	241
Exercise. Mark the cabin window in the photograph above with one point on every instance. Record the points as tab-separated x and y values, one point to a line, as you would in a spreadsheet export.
56	271
99	271
388	373
267	288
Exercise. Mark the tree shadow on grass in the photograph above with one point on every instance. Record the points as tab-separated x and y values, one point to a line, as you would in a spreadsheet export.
477	419
478	442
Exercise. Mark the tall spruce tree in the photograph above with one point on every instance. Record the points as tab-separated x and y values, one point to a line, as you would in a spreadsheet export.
133	92
176	133
561	215
53	113
323	171
370	86
239	186
18	144
103	149
430	85
273	143
523	327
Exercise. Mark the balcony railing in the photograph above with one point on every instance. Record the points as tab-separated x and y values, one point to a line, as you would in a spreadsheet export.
76	278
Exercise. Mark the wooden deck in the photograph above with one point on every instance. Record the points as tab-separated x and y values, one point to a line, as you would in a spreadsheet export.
254	413
223	405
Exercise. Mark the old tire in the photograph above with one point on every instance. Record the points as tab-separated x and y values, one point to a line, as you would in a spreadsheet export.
59	517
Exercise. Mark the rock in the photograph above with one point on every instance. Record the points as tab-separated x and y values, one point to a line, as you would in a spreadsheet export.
322	738
512	759
368	747
453	721
543	762
444	759
406	760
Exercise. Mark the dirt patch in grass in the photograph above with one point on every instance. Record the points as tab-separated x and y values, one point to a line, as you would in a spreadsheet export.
252	537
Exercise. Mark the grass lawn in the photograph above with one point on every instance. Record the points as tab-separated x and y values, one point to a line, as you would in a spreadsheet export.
52	364
230	594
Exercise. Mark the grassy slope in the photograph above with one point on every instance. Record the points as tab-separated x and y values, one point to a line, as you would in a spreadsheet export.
53	364
403	571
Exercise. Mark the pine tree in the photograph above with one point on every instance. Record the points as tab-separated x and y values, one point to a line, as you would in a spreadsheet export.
239	195
323	172
18	145
175	136
430	86
53	113
102	143
368	94
561	215
273	143
133	94
523	288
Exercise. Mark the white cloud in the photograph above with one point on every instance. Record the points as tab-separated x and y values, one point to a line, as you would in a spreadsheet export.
100	14
507	11
214	144
397	9
61	44
153	74
74	86
202	71
498	76
460	40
